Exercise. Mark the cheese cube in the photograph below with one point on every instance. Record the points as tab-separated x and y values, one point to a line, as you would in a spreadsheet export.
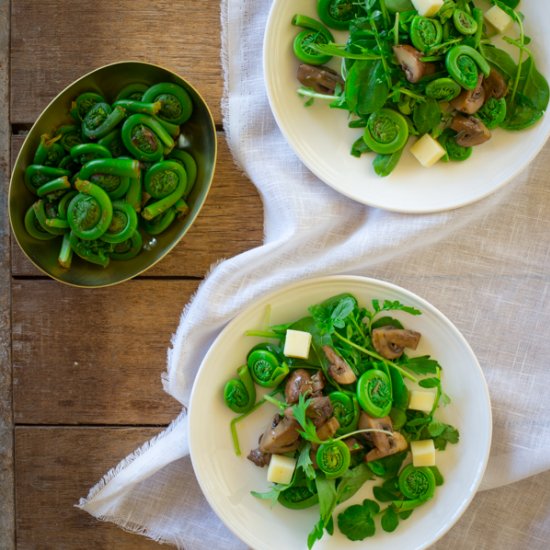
297	343
281	469
427	8
427	150
421	400
423	452
498	18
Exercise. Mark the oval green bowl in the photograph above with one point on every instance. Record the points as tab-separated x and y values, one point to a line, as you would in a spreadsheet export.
200	132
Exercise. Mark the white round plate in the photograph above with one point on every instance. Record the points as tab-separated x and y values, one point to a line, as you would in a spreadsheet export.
322	140
227	479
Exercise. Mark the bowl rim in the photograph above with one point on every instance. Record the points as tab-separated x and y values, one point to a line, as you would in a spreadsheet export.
190	217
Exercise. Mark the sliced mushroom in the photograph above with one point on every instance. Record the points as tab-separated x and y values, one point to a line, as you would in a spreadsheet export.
318	382
319	410
338	369
281	435
410	60
470	101
495	85
470	130
390	341
299	382
322	79
397	443
379	440
328	429
259	458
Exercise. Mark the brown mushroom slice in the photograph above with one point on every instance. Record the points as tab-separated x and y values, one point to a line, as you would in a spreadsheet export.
319	410
280	436
299	382
328	429
397	443
259	457
470	130
495	85
470	101
318	382
338	369
320	78
390	341
379	440
410	60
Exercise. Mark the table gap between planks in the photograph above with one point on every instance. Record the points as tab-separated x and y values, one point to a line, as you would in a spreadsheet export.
80	369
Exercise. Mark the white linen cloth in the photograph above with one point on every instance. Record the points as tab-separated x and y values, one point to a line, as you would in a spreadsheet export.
485	266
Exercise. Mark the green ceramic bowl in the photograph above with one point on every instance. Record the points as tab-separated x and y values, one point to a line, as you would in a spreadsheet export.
200	132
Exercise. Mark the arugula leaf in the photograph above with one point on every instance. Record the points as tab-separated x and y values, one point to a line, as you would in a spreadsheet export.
272	495
326	489
422	364
352	480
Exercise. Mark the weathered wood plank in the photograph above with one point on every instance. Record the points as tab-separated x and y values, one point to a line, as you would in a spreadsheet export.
7	512
57	466
230	222
94	356
53	43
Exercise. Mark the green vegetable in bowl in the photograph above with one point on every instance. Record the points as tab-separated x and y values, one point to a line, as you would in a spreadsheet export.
112	174
351	410
406	73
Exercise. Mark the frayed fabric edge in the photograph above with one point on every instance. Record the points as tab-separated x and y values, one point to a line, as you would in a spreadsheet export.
93	493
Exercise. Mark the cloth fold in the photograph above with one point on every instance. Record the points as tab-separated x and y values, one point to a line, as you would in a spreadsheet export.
485	266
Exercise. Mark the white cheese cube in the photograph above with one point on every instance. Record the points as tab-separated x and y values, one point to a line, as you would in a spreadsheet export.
498	18
427	8
427	150
423	452
297	343
280	469
421	400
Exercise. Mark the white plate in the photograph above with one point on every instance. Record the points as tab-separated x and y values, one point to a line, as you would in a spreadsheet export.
321	139
227	479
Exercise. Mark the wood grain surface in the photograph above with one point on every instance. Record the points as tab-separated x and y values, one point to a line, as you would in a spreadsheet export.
55	467
54	42
86	365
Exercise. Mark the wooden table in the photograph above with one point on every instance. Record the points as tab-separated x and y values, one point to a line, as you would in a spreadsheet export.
72	406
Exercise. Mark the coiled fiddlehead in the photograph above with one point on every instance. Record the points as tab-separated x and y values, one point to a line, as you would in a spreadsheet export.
374	393
112	175
90	212
425	33
146	138
386	132
123	223
463	63
167	182
101	119
240	393
129	248
265	367
37	175
346	411
176	104
333	458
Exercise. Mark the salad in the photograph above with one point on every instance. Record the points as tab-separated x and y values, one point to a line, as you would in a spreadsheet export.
350	405
436	70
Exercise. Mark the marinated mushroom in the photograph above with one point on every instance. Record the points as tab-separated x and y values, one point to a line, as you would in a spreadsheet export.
259	457
281	436
390	341
338	369
470	101
470	130
379	440
322	79
495	85
328	429
299	382
319	410
397	443
410	60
